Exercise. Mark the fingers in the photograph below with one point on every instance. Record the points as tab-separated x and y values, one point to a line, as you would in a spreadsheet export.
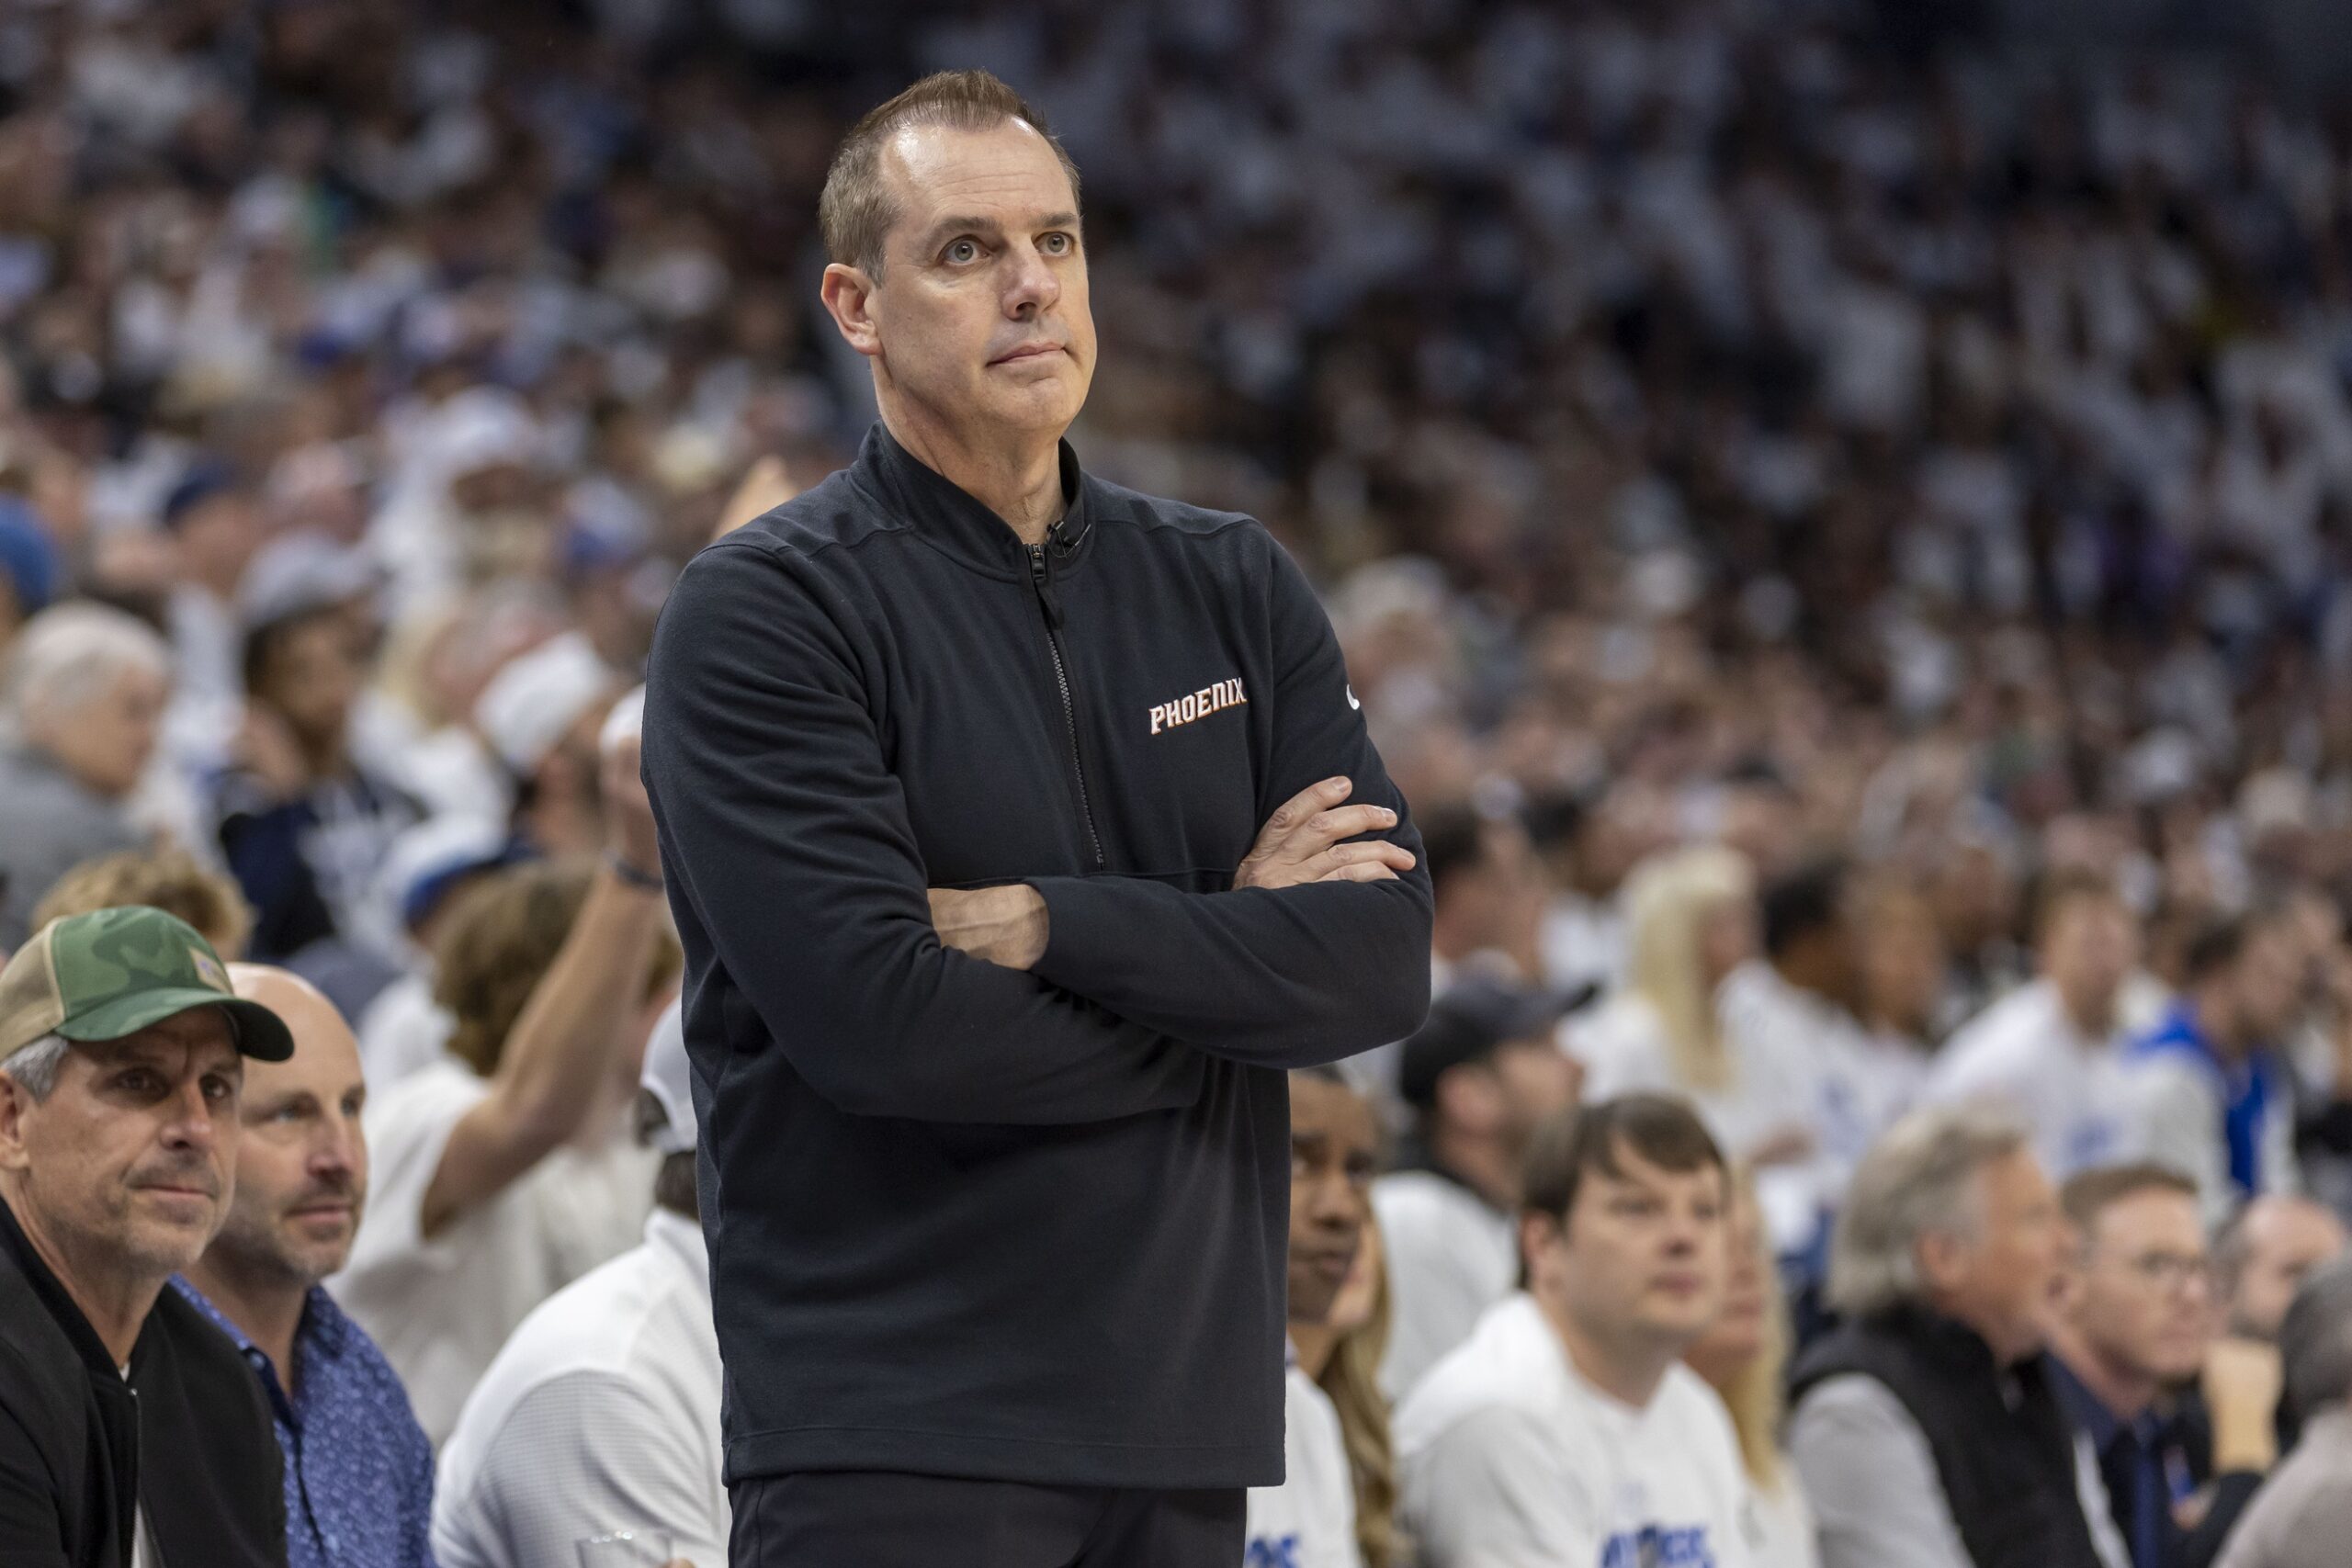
1361	871
1298	808
1348	822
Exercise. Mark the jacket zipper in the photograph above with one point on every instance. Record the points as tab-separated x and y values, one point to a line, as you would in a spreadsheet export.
1041	580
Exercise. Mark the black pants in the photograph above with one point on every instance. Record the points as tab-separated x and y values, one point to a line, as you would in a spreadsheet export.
880	1519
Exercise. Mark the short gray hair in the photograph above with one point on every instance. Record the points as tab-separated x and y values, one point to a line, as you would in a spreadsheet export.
34	1065
2315	1340
69	653
1919	1180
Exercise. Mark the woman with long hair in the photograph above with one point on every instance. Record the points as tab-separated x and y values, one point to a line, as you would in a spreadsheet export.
1692	919
1744	1358
1342	1354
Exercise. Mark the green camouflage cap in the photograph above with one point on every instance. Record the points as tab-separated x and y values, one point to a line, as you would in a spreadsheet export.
113	971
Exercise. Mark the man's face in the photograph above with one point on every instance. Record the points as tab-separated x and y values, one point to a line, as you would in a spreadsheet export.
2141	1298
301	1160
1642	1254
2089	950
1999	1281
1334	1149
129	1164
1537	1080
2285	1239
314	677
2268	982
980	317
106	741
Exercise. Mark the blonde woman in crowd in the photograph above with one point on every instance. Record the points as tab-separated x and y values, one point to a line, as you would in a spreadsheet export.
1342	1354
1693	915
1745	1359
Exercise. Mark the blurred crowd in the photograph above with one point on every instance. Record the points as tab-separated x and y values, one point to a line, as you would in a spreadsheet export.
1845	552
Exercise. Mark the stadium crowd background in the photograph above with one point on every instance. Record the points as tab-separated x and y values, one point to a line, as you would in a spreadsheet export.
1708	422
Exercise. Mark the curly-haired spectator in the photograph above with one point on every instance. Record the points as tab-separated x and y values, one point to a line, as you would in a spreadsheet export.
167	878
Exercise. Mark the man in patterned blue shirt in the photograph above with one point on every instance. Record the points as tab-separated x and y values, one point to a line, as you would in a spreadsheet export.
359	1470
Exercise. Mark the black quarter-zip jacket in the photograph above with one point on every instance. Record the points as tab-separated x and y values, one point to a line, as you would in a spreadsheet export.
964	1220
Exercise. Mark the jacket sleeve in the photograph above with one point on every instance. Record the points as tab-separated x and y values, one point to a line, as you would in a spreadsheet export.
1282	977
29	1503
788	849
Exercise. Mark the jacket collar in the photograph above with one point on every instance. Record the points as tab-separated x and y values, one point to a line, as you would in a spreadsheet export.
19	1251
954	522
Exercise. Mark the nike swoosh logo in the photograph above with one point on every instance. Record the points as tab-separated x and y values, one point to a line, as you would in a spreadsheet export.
1351	698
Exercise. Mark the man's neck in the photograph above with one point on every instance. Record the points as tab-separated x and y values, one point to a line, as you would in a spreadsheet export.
1628	1373
268	1312
2094	1022
2127	1396
1016	475
114	1303
2212	1019
1478	1163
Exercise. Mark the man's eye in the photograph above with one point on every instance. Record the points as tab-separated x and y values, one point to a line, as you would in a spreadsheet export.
1055	244
963	251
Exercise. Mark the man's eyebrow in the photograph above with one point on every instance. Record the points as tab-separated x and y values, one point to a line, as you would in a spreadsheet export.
989	228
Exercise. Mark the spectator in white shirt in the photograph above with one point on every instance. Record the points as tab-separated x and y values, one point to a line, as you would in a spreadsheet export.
1481	1076
601	1412
1693	924
1745	1359
1792	1016
1566	1430
2052	1051
1309	1521
505	1170
2210	1088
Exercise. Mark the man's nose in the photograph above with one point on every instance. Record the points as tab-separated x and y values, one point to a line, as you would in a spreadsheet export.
195	1120
336	1152
1034	287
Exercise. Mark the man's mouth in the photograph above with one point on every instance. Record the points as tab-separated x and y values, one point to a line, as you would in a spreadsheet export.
1026	351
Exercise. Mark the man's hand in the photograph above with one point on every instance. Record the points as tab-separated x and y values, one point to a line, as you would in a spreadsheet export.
1004	926
767	486
2242	1382
628	813
1300	842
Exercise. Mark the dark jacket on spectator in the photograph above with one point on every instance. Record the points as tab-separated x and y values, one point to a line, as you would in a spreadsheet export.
189	1435
965	1221
2002	1446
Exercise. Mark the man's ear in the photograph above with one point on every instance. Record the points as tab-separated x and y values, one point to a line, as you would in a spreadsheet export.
1941	1257
15	1104
848	294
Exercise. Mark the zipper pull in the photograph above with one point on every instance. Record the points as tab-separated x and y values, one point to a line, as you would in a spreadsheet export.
1041	578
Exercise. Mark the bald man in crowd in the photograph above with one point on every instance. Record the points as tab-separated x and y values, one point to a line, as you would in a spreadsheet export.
359	1471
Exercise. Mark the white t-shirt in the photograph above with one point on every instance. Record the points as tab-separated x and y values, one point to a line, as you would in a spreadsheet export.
1309	1521
1852	1085
440	1309
402	1031
1510	1459
601	1414
1451	1256
1780	1528
2026	1053
1623	1048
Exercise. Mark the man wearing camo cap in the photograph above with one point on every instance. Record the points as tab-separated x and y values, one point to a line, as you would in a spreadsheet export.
131	1431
